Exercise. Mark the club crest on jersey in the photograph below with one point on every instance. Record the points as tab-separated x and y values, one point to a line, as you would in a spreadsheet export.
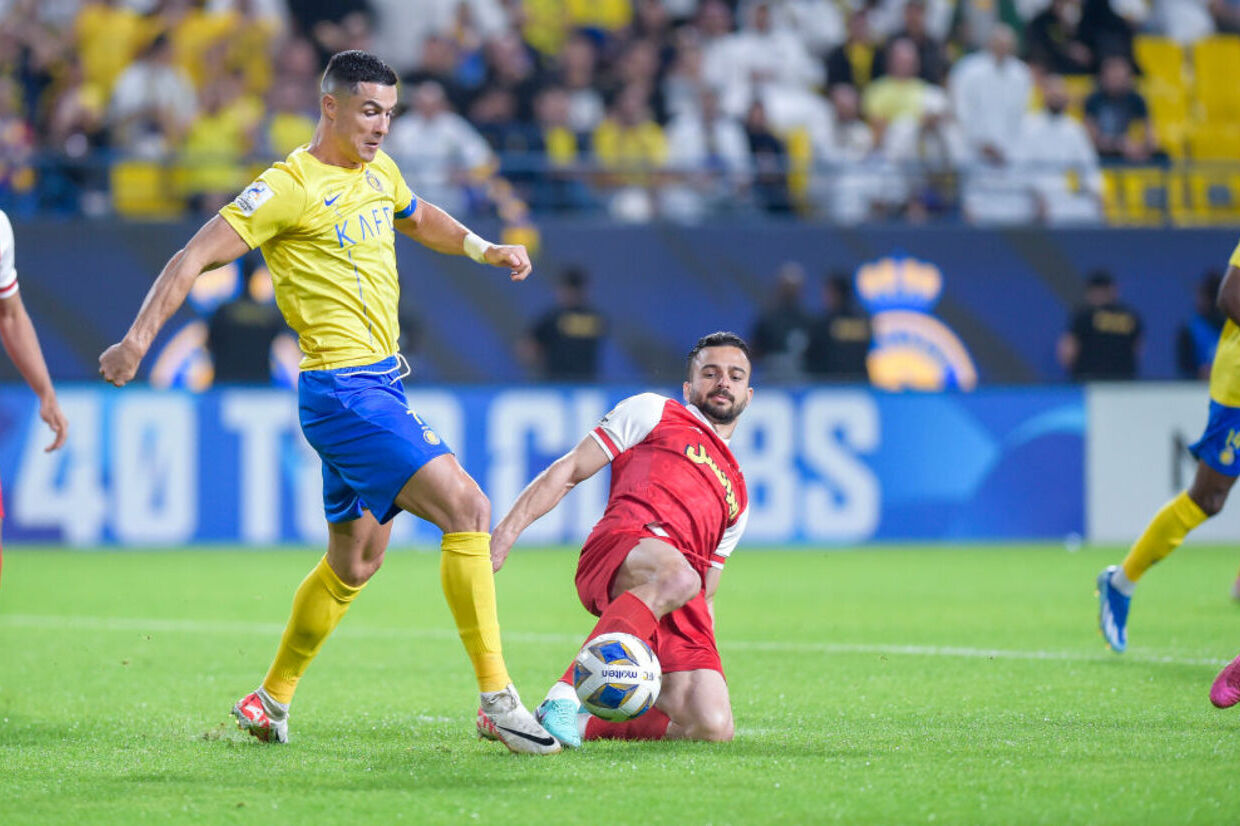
254	196
698	455
373	180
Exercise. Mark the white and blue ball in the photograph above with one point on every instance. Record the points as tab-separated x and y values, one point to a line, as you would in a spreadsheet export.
617	677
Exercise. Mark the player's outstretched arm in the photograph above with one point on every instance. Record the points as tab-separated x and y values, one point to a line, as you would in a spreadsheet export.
22	344
214	245
435	229
544	493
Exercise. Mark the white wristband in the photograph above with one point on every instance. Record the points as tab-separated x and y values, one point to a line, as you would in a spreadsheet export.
476	247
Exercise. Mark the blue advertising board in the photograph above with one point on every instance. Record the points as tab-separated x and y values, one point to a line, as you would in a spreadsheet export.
824	466
1005	294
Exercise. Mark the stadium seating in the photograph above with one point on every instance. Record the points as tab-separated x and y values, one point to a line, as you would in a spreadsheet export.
1214	142
1169	117
1196	195
1160	59
145	189
1164	84
1214	62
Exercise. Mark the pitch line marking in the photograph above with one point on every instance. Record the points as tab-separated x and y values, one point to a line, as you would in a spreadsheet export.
90	623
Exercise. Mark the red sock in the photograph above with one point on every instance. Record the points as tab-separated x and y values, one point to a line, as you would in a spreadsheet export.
626	614
650	726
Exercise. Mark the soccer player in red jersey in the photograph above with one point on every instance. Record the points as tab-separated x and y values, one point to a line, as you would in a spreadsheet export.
21	343
651	565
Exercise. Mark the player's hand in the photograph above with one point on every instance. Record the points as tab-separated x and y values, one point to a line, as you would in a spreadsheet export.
119	363
500	546
512	256
50	412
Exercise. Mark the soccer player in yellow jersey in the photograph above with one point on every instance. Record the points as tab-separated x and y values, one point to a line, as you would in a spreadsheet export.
1218	463
325	219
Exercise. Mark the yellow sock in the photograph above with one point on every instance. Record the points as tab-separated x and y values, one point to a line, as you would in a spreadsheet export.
318	606
1163	535
469	585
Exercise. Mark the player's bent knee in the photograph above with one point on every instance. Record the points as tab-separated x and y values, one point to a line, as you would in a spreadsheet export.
462	506
713	726
471	510
357	572
679	585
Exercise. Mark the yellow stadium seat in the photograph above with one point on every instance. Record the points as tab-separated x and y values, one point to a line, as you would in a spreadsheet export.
1214	75
144	189
1215	142
1169	116
1160	58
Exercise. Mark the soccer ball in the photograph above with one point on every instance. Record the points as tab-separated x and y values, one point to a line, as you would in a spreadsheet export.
617	677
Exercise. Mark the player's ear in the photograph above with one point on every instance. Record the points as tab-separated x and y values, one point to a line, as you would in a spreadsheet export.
685	391
329	106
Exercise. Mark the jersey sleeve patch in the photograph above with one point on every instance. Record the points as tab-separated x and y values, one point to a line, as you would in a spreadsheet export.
254	196
270	205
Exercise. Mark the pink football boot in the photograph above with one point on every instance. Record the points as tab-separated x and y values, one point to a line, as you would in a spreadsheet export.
1225	692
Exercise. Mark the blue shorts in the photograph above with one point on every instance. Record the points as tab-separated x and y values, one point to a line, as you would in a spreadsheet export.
359	422
1218	447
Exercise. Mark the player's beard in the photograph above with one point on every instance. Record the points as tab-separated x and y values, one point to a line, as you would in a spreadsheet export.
723	411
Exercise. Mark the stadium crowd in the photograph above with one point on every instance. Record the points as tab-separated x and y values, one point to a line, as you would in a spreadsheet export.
848	109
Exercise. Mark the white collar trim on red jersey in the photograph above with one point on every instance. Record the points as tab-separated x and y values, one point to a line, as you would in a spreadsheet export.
693	408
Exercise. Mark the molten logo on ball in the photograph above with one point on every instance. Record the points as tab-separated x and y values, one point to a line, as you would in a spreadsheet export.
617	677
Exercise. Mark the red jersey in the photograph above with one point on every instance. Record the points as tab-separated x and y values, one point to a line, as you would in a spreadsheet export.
674	476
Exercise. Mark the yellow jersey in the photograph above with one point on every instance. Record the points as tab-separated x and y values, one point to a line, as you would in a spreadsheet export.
1225	371
328	236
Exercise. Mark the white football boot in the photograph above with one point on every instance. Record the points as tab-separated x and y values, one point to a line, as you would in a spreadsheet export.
259	714
502	717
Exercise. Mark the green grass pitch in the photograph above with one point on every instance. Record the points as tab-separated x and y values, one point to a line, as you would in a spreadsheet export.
888	686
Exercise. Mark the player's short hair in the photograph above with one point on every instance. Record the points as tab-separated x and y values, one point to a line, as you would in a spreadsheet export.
722	338
347	69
